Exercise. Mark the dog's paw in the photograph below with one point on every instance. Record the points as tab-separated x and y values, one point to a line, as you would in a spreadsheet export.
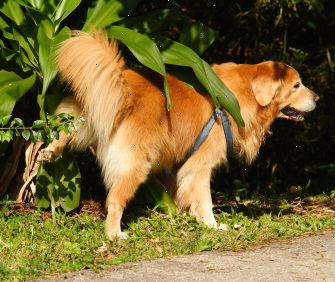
223	226
46	156
122	235
119	235
218	226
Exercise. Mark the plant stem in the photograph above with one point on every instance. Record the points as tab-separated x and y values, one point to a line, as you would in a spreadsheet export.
16	128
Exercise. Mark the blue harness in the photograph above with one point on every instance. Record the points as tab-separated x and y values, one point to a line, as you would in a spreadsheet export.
207	128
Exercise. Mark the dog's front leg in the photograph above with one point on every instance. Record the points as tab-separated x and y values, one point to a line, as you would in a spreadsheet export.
193	193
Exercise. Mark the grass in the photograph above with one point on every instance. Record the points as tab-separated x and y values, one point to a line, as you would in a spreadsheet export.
32	246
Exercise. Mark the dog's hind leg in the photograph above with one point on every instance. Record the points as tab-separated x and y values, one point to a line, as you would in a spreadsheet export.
119	195
79	140
124	168
55	148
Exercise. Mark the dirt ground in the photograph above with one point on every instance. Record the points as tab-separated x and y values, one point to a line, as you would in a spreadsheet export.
302	259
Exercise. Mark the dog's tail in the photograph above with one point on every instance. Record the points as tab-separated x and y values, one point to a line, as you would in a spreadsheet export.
93	66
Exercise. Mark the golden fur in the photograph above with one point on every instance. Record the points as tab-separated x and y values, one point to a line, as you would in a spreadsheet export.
134	134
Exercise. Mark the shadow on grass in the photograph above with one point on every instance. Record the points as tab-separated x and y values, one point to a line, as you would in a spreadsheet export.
257	207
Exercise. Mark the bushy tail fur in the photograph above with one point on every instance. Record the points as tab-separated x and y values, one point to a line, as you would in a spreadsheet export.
93	66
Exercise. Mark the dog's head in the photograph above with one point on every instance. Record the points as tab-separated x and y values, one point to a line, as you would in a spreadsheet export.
279	86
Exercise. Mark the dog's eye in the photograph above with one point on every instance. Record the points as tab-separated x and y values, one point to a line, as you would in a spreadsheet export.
296	85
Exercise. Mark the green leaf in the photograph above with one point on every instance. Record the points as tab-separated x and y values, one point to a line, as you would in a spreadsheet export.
162	199
38	124
47	45
45	36
41	136
13	11
8	54
18	58
40	102
12	88
46	7
60	182
175	53
65	8
37	4
197	36
6	136
23	3
2	139
53	135
107	12
25	134
34	136
4	120
23	35
3	24
146	23
17	122
144	49
64	116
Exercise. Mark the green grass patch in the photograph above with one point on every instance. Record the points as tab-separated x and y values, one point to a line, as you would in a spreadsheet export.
32	246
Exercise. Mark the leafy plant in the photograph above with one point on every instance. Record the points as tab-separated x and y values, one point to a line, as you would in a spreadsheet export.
36	132
58	184
30	33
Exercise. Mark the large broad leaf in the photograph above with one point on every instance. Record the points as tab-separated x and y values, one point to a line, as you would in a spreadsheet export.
162	199
197	36
147	23
175	53
12	88
58	184
48	42
13	11
107	12
145	50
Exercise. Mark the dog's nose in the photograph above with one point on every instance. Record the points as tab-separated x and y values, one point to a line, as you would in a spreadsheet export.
316	96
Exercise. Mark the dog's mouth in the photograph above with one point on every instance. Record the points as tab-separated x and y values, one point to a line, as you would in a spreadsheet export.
293	114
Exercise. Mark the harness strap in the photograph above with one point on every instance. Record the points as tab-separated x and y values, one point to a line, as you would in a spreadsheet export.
207	128
227	132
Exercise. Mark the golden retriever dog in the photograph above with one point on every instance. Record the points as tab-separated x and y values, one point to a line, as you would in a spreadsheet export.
134	135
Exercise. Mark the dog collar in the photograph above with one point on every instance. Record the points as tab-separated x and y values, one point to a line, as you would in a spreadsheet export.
207	128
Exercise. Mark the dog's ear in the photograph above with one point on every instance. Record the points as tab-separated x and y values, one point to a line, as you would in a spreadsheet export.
264	88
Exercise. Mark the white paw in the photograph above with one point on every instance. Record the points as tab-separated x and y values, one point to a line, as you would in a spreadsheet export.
118	235
122	235
210	223
223	226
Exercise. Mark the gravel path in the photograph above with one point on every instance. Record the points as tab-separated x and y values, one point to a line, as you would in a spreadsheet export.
303	259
